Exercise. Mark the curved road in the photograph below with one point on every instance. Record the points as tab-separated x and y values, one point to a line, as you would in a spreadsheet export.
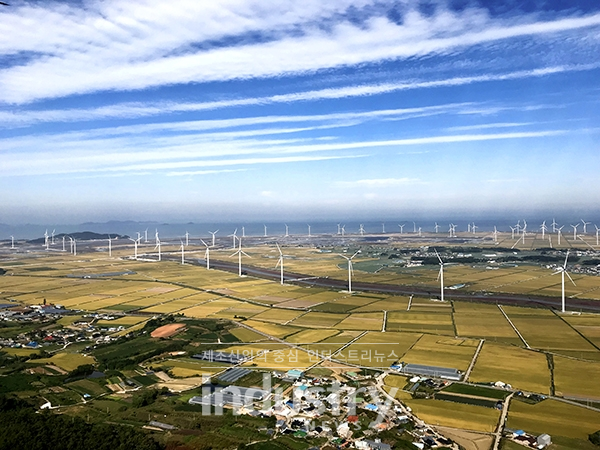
573	304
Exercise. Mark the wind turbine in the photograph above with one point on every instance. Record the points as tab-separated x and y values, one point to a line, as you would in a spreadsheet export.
575	231
524	230
214	234
309	235
559	232
383	228
350	269
135	244
512	231
74	243
265	230
54	231
563	270
156	238
46	244
437	227
280	261
414	227
233	237
474	228
597	230
361	229
240	252
469	227
243	232
207	255
585	224
158	247
495	234
419	231
441	275
401	228
343	230
70	244
182	253
146	236
64	250
339	229
139	235
187	238
12	242
109	247
553	225
544	228
287	231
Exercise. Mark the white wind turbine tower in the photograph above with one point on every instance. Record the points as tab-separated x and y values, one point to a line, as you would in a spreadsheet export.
474	228
46	242
419	231
243	232
146	236
343	230
70	244
265	230
54	231
437	227
182	253
450	231
518	226
544	228
207	255
156	238
559	233
575	231
401	228
468	227
350	270
135	244
214	233
512	232
73	246
64	250
287	231
563	270
524	230
339	229
233	236
495	234
414	227
280	261
12	242
383	228
553	225
361	229
585	224
597	231
308	225
240	252
159	253
109	247
441	275
187	238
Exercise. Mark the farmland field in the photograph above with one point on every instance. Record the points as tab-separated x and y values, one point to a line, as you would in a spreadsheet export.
553	417
569	382
484	321
362	321
424	322
523	369
376	349
455	415
442	351
66	361
318	319
311	336
276	315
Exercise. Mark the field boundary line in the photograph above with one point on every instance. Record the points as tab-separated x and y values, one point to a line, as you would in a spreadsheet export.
384	321
514	327
575	329
473	360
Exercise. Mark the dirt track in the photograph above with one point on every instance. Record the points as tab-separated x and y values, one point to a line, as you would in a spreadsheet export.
167	330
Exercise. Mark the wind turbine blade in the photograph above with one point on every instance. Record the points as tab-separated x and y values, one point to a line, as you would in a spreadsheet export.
565	264
439	273
438	256
567	274
278	248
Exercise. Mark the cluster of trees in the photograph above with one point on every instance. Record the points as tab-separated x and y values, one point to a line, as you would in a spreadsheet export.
24	428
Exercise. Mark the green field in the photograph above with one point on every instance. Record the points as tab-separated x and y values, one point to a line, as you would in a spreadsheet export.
442	351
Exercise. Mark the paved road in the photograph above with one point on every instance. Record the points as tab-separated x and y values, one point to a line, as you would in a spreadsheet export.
331	283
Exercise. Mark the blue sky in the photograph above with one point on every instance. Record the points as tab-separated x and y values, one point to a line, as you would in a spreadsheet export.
194	110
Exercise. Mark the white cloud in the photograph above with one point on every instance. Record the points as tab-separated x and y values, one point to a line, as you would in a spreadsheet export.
128	46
